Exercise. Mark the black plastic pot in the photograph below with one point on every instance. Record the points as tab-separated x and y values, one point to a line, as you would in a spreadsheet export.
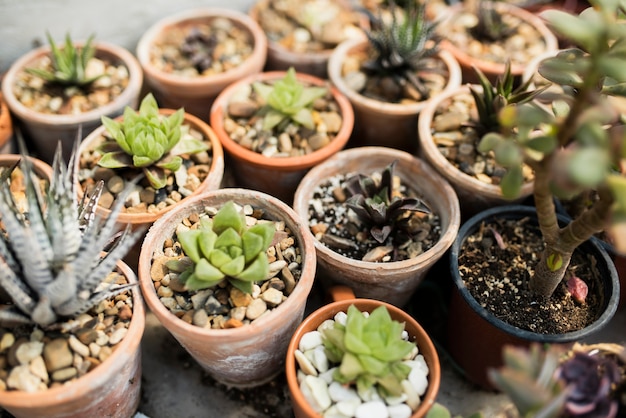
475	336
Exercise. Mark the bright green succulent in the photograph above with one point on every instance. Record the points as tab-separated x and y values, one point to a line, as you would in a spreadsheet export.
287	100
370	350
224	248
69	63
149	141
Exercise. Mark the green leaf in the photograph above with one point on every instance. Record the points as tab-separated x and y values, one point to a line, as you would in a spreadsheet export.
544	144
172	163
613	67
142	161
218	258
257	270
229	217
554	262
508	154
263	90
244	286
117	159
489	142
252	245
438	411
526	397
179	265
189	145
511	183
149	106
189	241
561	71
588	166
266	230
304	118
156	176
350	367
227	238
574	28
234	267
272	118
309	95
206	272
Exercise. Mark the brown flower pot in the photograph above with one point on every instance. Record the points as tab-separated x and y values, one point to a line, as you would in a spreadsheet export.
392	282
145	219
278	177
196	94
252	354
111	389
380	123
6	128
43	131
474	195
489	67
343	299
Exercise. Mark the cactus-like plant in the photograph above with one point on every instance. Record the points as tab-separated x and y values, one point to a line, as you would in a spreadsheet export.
287	100
370	350
51	261
579	146
490	26
377	206
224	248
402	46
69	64
149	141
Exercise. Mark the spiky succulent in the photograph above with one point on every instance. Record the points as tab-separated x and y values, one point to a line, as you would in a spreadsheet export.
490	26
69	63
402	46
287	100
375	204
224	248
370	350
50	260
149	141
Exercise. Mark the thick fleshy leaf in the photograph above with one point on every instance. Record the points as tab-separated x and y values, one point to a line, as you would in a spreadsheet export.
511	183
228	238
229	217
172	163
575	28
305	118
350	367
265	230
271	119
218	258
588	166
262	89
206	272
244	286
156	176
117	159
256	271
206	241
189	241
508	154
234	267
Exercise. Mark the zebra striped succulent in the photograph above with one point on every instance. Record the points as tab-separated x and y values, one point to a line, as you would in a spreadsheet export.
51	259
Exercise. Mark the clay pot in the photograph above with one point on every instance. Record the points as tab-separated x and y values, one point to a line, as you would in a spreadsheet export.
6	129
492	69
196	94
43	131
252	354
476	337
112	389
474	195
377	123
145	219
278	177
280	57
391	282
41	169
343	299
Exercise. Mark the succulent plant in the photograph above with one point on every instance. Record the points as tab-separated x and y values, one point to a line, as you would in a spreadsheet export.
69	64
490	26
287	100
375	204
224	248
50	260
370	350
403	45
149	141
198	47
549	383
577	147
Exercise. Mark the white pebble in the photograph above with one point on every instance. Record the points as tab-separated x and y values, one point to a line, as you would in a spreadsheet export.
412	398
395	400
305	364
327	376
310	340
368	394
341	318
349	406
118	335
319	359
339	392
399	411
78	347
418	379
373	409
328	324
28	351
315	391
333	412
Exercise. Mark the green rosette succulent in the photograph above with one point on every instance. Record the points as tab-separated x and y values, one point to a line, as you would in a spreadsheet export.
370	350
287	100
224	248
149	141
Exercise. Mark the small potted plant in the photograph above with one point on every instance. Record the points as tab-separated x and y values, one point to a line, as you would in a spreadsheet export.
378	229
176	154
190	57
574	149
357	355
277	125
392	74
228	275
53	91
73	311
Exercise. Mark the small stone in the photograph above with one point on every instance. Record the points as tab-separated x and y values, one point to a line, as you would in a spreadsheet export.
28	351
8	339
275	267
57	354
288	280
256	308
199	299
200	318
310	340
118	335
147	195
176	284
377	254
214	307
239	298
125	313
372	409
238	313
115	184
242	108
78	347
64	374
339	392
399	411
284	142
318	358
318	141
37	367
22	379
332	120
412	398
315	391
418	379
165	292
104	353
273	297
158	270
305	364
348	407
232	323
355	80
86	335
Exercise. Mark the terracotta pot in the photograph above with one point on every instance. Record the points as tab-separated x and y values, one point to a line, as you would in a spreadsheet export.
278	177
474	195
476	337
6	129
392	282
343	299
280	58
112	389
493	69
253	354
42	169
43	131
196	94
379	123
145	219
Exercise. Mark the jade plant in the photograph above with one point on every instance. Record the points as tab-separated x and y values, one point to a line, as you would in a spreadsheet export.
577	146
376	205
51	261
69	64
369	350
287	100
224	248
149	141
402	45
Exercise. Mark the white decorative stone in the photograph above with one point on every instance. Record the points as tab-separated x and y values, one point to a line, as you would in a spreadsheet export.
319	359
399	411
422	363
22	379
373	409
412	398
118	335
368	394
37	367
349	406
395	400
305	364
327	376
328	324
341	318
418	379
315	391
333	412
339	392
78	347
8	339
310	340
28	351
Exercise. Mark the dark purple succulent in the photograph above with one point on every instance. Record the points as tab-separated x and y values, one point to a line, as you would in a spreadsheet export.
198	47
